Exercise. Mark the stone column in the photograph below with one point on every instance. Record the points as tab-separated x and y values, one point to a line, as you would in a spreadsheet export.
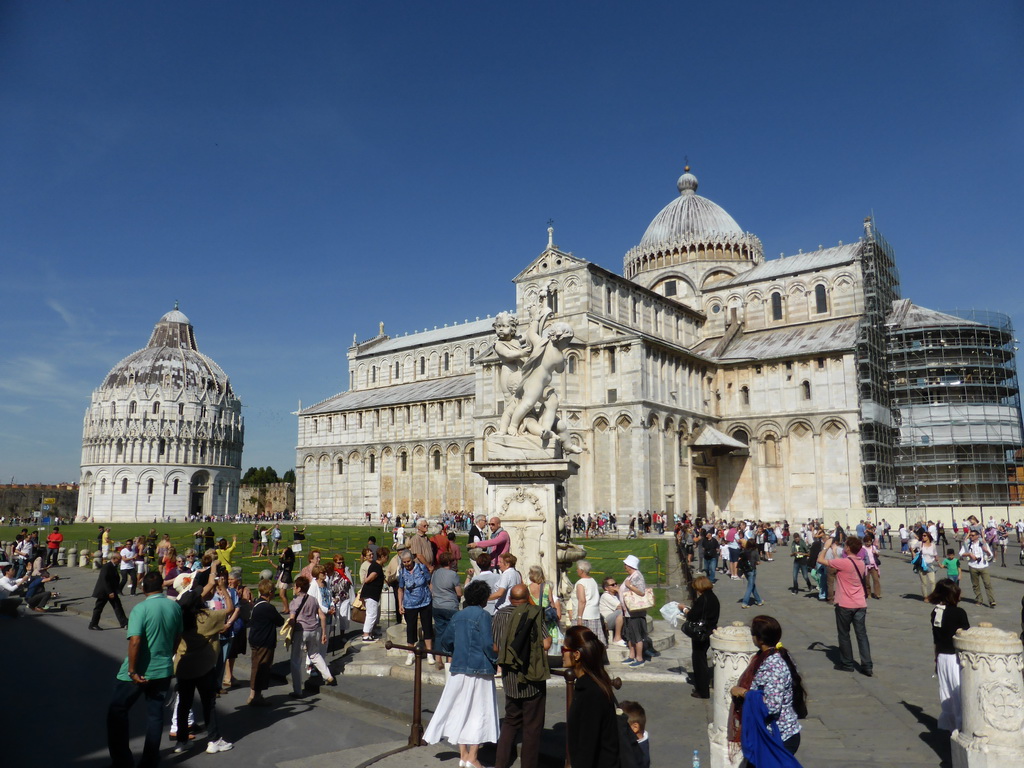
732	650
991	695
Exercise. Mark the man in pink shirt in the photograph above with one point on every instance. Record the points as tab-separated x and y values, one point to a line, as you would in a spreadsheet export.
851	603
499	542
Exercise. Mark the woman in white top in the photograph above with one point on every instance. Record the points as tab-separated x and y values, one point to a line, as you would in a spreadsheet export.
929	562
588	602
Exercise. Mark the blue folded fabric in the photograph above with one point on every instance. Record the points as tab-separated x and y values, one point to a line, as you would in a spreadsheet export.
762	746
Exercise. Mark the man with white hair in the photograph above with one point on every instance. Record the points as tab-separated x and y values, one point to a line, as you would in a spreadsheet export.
476	534
420	544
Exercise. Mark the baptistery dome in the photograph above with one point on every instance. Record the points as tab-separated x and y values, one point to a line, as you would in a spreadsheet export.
690	242
162	437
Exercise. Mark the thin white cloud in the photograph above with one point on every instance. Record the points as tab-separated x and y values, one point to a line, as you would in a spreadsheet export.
65	315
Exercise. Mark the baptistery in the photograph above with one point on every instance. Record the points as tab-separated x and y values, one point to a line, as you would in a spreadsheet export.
162	437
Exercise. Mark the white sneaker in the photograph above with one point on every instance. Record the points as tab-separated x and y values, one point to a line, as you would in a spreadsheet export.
218	746
430	658
410	659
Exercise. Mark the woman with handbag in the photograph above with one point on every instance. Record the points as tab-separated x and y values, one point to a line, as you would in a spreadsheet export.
701	621
633	593
773	674
542	593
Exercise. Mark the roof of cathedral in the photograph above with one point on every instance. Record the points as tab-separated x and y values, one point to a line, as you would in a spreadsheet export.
435	336
791	265
787	341
689	216
171	358
447	388
906	315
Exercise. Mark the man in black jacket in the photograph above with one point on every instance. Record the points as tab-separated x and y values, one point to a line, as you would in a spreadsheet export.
105	592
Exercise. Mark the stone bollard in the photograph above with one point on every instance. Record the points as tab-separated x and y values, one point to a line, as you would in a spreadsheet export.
97	560
732	649
83	558
992	734
73	557
62	556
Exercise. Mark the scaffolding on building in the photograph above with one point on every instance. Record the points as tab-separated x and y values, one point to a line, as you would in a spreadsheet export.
877	428
956	407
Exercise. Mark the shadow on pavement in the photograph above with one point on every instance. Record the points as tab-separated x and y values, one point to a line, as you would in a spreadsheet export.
933	737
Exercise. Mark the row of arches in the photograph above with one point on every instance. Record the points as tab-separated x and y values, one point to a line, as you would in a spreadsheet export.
810	298
745	247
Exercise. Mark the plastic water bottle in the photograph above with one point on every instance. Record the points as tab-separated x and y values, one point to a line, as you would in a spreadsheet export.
696	758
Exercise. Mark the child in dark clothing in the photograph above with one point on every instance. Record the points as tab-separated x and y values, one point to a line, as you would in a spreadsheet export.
637	719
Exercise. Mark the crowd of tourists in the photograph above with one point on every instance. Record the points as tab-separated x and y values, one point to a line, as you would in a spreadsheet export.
495	626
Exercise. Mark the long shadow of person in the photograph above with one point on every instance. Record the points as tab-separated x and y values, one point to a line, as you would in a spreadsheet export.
933	737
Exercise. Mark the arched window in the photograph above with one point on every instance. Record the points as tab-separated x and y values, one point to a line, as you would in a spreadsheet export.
316	425
771	451
403	462
373	374
124	485
175	487
156	408
149	487
742	436
571	364
119	448
745	395
472	354
398	369
423	365
472	453
447	360
820	299
437	460
805	388
113	410
181	409
330	423
373	463
776	306
131	407
103	485
161	447
341	466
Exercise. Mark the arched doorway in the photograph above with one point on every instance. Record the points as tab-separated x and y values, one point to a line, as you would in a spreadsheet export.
198	490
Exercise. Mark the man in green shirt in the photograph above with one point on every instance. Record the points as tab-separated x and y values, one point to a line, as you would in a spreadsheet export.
154	628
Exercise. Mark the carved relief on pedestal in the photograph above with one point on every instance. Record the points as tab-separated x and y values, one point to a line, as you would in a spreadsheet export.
1000	704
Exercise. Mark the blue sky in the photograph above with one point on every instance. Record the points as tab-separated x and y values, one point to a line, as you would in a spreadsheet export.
294	173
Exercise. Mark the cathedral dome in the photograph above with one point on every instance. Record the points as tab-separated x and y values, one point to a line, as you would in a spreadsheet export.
689	216
691	230
172	360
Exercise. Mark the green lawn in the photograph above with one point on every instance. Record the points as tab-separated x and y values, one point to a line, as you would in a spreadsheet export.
605	555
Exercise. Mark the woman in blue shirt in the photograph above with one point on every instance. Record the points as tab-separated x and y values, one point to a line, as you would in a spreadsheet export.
414	602
467	713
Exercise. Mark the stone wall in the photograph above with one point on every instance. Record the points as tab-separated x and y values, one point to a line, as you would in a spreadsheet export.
267	500
23	500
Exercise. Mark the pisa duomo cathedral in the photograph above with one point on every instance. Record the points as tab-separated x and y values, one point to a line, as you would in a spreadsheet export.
703	379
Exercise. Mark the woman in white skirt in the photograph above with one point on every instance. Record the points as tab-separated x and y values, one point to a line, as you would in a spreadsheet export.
947	618
467	714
